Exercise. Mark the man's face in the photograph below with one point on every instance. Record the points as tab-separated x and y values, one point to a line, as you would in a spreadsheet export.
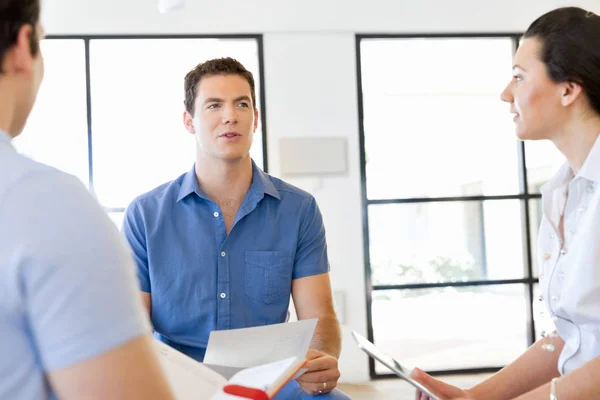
224	119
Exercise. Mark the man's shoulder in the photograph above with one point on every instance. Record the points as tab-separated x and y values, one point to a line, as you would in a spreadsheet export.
289	191
20	173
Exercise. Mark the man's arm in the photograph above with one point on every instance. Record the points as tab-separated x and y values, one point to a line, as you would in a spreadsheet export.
80	293
311	291
147	302
127	372
312	299
134	232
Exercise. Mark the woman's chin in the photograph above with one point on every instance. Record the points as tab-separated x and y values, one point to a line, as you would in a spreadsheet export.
526	134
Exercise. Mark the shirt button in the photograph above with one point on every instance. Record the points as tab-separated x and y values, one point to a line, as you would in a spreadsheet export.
554	318
563	251
555	298
552	235
581	209
216	214
546	256
223	254
541	298
561	275
223	295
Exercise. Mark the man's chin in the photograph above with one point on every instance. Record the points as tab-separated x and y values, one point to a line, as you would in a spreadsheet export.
234	158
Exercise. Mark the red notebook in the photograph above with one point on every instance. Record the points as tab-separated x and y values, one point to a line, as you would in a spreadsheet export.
191	380
265	381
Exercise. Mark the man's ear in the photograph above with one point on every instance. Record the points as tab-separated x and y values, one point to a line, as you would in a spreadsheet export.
188	122
22	54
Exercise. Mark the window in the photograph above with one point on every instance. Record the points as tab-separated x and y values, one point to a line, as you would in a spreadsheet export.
56	131
447	207
133	93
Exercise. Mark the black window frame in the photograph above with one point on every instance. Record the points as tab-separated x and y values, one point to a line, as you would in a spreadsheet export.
524	197
88	38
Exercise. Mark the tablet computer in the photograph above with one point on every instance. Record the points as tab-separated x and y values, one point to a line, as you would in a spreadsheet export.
404	373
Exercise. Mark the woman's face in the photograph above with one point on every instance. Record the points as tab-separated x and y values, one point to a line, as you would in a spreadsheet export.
534	98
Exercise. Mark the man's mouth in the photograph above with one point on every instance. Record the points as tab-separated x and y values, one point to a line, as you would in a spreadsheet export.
230	134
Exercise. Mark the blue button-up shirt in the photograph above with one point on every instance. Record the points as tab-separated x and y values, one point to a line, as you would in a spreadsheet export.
201	279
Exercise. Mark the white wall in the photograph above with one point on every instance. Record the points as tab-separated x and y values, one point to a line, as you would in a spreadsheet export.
324	105
310	71
235	16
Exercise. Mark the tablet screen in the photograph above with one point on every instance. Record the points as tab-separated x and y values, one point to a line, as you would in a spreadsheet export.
389	362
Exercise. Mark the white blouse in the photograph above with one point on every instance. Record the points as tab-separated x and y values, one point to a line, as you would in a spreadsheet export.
570	271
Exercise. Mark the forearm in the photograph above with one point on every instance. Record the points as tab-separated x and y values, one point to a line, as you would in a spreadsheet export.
534	368
582	383
327	337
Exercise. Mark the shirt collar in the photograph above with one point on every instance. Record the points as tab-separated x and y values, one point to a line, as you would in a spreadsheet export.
4	138
560	180
590	169
264	185
261	185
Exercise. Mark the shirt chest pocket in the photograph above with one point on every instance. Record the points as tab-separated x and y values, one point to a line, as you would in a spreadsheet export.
268	275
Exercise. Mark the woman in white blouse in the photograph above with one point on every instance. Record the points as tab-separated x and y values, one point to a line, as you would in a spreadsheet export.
555	95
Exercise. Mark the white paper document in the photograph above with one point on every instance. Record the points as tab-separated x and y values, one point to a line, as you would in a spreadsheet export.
188	379
249	347
262	357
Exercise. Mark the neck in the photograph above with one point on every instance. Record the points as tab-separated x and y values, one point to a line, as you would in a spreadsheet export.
221	179
577	139
7	108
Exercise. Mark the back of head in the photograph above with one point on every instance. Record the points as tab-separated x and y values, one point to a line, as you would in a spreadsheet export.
570	38
13	15
217	66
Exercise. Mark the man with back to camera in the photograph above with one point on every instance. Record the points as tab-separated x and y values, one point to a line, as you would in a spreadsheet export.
224	245
72	325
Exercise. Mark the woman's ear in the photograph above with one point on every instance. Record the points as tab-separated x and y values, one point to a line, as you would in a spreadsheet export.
570	92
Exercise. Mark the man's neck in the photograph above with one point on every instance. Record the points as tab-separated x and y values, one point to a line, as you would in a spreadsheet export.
7	108
224	180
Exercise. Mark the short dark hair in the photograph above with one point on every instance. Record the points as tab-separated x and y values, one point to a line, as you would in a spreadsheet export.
13	15
570	38
217	66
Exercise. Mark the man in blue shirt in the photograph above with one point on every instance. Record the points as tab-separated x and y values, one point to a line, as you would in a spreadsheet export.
71	322
225	245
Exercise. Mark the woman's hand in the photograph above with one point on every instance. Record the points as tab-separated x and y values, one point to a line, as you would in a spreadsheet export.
441	389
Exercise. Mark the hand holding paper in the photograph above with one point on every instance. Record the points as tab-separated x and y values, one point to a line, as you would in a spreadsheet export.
322	373
257	361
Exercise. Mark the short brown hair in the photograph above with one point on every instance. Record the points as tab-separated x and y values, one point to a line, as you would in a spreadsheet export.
13	15
217	66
